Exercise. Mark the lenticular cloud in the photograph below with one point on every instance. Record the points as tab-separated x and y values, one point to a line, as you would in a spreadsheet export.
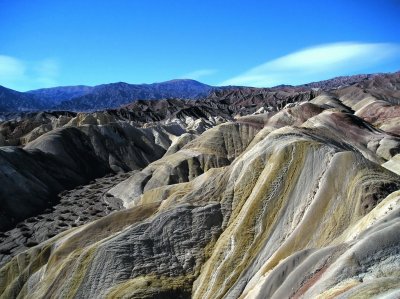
302	65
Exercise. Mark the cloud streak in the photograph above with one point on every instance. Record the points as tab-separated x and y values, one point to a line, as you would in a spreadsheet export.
21	75
11	68
47	71
315	63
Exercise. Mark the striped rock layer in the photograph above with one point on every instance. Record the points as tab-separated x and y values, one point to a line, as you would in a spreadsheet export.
300	203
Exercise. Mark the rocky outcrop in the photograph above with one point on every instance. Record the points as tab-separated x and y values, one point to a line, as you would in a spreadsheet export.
216	147
277	200
19	131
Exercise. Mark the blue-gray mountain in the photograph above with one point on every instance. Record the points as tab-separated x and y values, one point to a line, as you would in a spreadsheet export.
117	94
56	95
14	101
87	98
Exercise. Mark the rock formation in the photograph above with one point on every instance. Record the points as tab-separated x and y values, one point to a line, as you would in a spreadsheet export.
300	199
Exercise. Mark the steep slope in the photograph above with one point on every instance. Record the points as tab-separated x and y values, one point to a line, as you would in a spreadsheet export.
215	148
31	178
67	157
305	186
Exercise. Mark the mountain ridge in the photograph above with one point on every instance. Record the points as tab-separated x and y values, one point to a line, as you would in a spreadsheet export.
114	95
81	98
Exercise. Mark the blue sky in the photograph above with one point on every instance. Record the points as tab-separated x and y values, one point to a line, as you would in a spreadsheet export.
256	43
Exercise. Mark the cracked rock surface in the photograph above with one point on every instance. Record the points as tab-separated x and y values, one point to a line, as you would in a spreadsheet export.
75	207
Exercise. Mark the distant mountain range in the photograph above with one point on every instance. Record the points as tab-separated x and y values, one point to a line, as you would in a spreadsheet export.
117	94
114	95
13	101
87	98
62	93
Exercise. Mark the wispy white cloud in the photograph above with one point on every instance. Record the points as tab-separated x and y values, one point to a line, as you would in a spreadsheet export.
196	75
11	68
22	75
316	63
47	71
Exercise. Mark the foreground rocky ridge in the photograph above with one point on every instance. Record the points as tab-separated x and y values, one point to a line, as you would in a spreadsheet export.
300	202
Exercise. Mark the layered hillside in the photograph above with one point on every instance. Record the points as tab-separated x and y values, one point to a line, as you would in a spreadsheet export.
249	193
